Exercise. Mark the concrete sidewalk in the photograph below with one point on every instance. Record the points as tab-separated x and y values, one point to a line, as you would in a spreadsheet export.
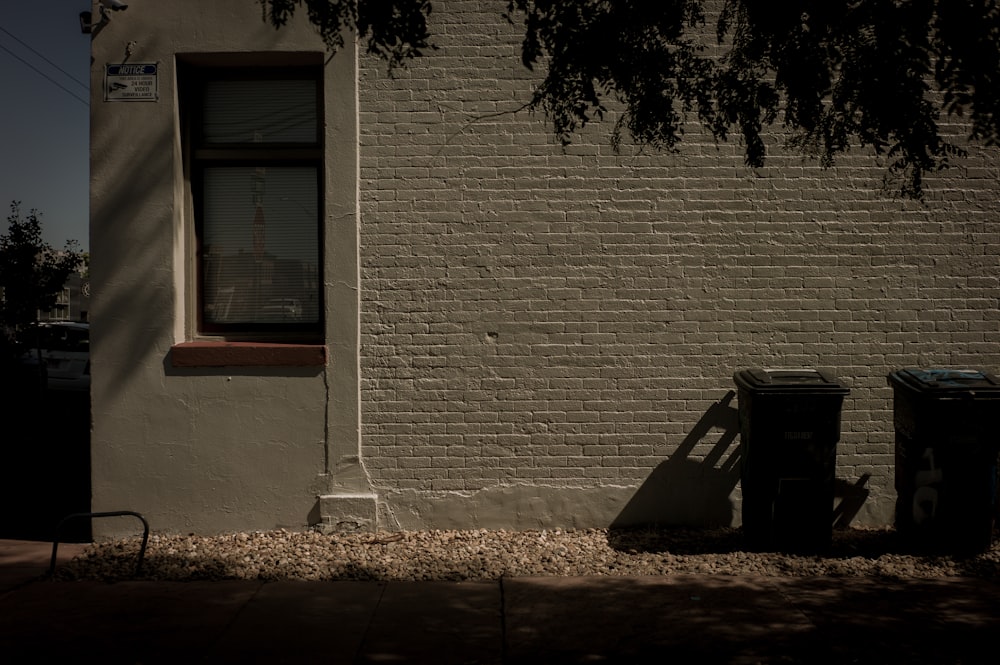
671	619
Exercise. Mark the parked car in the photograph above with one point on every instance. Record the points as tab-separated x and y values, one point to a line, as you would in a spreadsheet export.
65	350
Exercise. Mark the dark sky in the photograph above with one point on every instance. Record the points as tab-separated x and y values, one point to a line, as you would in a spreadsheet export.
45	115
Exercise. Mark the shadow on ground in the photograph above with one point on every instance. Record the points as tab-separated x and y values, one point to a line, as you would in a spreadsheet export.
44	462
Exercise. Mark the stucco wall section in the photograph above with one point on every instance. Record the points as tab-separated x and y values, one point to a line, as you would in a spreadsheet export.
196	448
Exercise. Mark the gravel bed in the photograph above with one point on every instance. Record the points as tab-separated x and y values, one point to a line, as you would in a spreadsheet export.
492	554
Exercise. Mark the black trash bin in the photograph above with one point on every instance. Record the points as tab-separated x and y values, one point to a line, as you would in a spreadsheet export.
789	429
947	443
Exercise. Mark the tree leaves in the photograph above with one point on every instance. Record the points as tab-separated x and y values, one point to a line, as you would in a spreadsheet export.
32	273
834	74
394	30
633	50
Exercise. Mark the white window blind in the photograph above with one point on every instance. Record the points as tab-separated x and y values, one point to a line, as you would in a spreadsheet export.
260	112
259	245
258	167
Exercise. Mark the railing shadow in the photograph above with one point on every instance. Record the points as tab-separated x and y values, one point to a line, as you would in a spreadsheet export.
852	497
689	498
684	491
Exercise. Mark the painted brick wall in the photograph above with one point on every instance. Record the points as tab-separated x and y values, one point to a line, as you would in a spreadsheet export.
533	316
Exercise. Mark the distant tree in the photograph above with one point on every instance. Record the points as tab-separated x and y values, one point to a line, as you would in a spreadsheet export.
32	274
832	73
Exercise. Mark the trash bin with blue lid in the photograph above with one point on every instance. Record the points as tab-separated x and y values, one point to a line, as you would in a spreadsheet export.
789	429
947	440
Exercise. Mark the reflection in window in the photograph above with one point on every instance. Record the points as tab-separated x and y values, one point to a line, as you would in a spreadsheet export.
256	173
259	249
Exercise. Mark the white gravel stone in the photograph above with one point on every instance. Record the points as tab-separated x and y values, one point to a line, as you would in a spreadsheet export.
488	555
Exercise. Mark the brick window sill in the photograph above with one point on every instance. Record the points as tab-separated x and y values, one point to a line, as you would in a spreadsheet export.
247	354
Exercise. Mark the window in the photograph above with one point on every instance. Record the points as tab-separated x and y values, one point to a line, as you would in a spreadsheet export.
255	164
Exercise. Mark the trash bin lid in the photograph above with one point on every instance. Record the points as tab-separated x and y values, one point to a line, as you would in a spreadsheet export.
950	382
775	380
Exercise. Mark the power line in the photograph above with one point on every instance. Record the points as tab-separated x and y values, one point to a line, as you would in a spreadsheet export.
68	75
49	78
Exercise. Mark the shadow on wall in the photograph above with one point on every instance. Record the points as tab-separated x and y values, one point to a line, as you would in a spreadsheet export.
683	491
690	492
851	497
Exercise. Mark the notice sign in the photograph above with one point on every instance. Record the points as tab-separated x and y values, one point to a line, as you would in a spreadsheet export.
131	83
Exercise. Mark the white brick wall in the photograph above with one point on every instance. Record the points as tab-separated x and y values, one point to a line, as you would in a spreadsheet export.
534	316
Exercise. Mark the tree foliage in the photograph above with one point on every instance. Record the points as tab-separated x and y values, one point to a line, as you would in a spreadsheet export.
394	30
832	74
32	273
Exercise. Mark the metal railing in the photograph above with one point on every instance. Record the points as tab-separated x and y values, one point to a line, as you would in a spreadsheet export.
114	513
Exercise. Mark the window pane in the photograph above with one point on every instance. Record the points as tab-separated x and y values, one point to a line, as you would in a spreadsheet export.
260	112
260	245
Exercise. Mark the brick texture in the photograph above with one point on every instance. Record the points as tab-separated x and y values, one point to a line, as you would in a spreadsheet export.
565	317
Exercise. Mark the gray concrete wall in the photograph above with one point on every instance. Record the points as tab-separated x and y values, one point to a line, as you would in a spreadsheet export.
539	336
207	449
